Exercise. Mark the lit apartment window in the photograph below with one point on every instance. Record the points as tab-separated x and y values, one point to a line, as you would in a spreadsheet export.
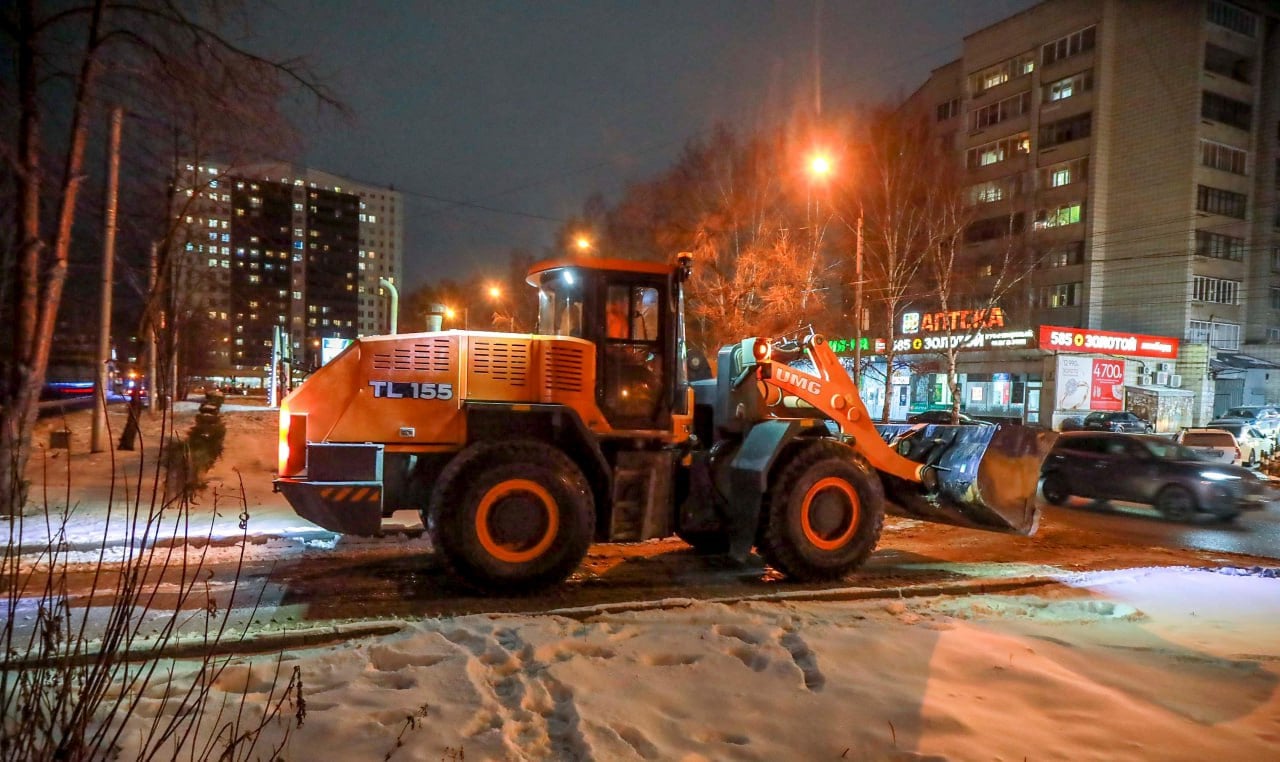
1003	110
1064	173
1066	130
1215	290
1066	87
1232	17
213	262
1219	201
1224	157
985	193
998	150
1219	246
1056	217
1073	44
994	76
1057	295
1226	110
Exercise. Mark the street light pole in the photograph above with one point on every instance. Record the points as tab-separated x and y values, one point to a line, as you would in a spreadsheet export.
395	303
857	305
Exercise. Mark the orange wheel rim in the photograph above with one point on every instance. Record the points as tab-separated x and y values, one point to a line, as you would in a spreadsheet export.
528	551
829	487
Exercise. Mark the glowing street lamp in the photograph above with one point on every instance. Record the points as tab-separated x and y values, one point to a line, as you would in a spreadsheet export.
820	166
582	242
495	292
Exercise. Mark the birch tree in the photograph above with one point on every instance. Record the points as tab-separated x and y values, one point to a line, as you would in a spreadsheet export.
69	60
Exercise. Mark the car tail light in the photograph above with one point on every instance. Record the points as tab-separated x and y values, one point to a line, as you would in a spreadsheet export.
292	453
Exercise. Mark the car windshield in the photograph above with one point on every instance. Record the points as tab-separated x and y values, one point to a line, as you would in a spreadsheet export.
1170	451
1208	439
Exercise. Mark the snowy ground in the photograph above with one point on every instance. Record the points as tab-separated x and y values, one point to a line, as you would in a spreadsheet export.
1141	664
1151	663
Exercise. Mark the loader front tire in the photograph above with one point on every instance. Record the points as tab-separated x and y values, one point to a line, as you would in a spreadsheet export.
512	517
824	514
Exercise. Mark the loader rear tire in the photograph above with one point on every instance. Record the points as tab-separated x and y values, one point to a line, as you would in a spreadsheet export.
824	514
512	517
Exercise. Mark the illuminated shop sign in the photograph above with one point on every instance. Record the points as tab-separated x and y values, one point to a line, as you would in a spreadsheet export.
1019	339
847	345
1107	342
952	320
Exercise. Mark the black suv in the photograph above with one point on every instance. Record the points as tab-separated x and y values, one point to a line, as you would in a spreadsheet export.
1118	421
1145	469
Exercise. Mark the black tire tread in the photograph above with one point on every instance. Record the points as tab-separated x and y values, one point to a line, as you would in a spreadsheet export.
776	547
450	491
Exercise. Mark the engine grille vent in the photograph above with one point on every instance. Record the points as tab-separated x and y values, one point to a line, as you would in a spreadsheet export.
430	356
564	363
504	361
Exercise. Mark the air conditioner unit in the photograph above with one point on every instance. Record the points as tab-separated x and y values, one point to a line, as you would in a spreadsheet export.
1162	378
1175	381
1167	367
1145	379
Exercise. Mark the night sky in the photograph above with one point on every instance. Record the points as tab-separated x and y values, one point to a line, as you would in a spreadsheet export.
527	108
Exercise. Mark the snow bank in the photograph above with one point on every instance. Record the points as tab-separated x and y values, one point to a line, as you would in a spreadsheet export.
1142	664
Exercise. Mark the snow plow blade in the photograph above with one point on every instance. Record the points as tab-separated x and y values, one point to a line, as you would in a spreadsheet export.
981	477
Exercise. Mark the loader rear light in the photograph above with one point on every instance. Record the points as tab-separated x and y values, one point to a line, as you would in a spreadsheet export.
292	453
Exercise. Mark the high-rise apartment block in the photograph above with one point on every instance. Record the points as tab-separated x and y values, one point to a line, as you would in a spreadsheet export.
275	245
1132	148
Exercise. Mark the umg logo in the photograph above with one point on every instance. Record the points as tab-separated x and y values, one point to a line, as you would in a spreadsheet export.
786	375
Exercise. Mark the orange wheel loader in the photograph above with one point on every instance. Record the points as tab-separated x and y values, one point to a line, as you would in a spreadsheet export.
520	450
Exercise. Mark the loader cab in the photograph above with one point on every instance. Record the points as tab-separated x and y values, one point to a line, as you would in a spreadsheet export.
633	313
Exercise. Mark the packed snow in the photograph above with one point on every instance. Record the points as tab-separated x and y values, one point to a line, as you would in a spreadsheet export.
1170	664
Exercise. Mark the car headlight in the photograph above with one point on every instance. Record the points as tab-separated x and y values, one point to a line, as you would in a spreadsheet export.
1218	476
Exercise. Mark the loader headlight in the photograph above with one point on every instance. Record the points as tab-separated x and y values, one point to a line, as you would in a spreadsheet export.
762	351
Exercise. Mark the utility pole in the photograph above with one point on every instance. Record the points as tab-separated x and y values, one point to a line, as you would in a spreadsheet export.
857	307
108	278
152	325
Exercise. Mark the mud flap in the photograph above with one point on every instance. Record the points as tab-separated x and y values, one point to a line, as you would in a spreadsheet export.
749	479
982	477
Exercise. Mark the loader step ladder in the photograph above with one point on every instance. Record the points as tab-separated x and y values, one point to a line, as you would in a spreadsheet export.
642	496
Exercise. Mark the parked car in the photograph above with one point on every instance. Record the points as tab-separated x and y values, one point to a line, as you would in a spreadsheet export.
1215	445
1265	417
1254	443
1145	469
1118	421
943	417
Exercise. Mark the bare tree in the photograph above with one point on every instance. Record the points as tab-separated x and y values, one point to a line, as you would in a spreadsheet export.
897	162
70	59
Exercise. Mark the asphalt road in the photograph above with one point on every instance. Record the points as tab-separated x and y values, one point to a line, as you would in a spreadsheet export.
1255	533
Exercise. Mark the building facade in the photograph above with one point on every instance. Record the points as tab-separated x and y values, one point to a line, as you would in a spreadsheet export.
1132	149
275	250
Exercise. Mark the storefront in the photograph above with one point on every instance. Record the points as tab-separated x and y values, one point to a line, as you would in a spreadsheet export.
1038	376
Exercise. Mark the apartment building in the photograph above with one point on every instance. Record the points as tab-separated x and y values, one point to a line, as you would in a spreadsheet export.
1132	148
273	245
